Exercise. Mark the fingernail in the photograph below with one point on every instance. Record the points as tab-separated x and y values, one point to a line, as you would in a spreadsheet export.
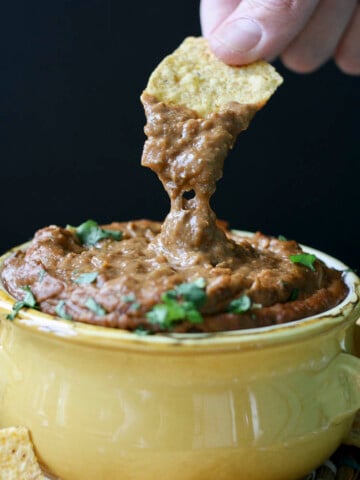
240	35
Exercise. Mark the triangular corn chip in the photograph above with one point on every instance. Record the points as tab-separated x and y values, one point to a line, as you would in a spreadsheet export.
17	458
194	78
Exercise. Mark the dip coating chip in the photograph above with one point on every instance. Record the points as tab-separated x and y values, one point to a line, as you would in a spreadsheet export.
193	77
17	458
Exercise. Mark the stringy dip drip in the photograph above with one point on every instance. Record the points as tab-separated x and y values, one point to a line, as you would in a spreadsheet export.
132	274
187	153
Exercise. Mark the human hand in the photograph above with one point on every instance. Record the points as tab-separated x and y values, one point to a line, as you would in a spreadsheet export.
305	33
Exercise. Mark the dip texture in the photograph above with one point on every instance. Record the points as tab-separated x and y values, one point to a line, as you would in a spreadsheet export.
132	275
188	274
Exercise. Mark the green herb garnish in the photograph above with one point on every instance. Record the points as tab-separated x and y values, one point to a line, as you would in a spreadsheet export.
192	292
282	238
294	295
86	277
172	311
350	270
95	307
89	233
61	312
29	301
131	297
182	303
135	306
240	305
42	274
306	259
141	331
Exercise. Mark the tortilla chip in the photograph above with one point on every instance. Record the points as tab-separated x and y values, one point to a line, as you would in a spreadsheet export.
17	458
194	78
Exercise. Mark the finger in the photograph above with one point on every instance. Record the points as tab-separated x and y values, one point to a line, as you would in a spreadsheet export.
214	12
260	29
317	42
347	55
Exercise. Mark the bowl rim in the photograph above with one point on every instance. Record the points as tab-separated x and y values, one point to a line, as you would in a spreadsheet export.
347	311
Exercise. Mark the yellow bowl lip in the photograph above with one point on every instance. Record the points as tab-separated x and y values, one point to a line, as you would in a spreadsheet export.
106	337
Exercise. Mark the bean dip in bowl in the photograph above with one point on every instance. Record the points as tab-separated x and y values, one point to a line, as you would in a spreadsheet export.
100	402
183	350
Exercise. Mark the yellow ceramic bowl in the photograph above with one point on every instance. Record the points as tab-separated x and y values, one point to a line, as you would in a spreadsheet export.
269	403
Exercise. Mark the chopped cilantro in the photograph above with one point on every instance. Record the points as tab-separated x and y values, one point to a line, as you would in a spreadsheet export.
86	277
141	331
29	298
15	310
161	314
61	312
28	301
240	305
182	303
42	274
134	306
131	297
89	233
172	311
282	238
95	307
306	259
350	270
294	295
192	292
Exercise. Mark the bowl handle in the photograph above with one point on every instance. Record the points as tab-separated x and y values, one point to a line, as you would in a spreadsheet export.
354	435
342	382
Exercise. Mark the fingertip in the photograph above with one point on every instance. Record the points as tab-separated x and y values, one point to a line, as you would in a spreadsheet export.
237	42
347	55
298	64
227	55
347	60
349	66
260	29
215	12
207	21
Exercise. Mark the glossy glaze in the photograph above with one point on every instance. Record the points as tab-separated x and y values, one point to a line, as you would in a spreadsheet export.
266	404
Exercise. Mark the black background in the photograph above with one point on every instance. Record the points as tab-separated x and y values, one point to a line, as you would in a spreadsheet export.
71	129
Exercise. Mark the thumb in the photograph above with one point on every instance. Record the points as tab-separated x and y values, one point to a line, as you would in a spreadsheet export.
259	29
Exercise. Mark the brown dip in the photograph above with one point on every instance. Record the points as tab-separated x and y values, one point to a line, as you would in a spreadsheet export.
187	153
